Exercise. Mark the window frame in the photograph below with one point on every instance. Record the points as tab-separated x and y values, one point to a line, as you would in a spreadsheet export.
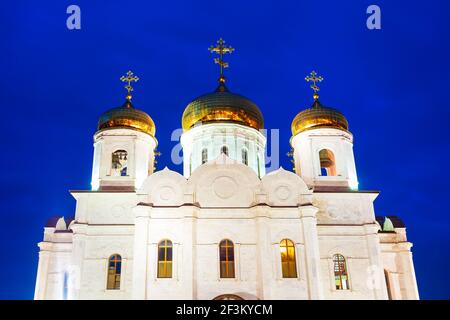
226	152
291	259
116	282
165	273
339	260
204	155
228	273
244	156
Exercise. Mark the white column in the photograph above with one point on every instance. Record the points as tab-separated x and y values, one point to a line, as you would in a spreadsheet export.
409	274
41	277
189	272
312	254
140	259
264	258
376	265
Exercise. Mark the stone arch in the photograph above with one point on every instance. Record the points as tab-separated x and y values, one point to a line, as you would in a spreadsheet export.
285	188
228	296
164	188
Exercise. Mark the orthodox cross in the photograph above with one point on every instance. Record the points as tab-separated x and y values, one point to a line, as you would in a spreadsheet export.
128	79
221	49
314	79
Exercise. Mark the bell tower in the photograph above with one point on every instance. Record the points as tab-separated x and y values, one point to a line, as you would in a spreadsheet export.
323	145
124	146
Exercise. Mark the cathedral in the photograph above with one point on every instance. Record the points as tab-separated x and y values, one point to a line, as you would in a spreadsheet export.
225	229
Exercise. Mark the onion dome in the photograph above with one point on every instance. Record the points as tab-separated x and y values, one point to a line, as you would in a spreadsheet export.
127	117
318	116
222	106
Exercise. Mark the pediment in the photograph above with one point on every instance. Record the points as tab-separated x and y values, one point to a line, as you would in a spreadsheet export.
224	182
164	188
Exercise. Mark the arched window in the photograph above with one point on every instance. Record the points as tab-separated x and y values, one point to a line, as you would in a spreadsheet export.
114	271
288	264
258	163
327	163
119	163
245	156
204	156
224	150
165	259
340	272
226	252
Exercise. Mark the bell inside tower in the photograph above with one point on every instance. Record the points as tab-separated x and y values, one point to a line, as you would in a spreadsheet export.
327	163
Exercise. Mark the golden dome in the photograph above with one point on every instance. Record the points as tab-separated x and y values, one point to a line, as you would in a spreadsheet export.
127	117
318	116
222	106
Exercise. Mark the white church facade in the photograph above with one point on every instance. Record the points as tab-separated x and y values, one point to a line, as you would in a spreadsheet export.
224	229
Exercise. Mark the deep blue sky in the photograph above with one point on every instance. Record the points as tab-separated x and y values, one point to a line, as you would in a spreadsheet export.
392	84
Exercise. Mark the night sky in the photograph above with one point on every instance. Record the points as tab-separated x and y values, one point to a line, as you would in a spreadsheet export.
392	84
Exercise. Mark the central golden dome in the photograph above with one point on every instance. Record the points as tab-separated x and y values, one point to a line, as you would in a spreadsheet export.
127	117
222	106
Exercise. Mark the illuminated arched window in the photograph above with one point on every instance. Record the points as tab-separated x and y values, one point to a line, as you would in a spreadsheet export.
204	156
165	259
224	150
245	156
226	252
327	163
340	272
114	271
288	264
119	163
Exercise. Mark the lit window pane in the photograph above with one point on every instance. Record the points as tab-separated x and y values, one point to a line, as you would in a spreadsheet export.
288	262
165	259
340	272
114	272
226	253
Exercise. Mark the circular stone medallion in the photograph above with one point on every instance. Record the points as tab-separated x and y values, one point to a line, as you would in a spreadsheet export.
224	187
283	192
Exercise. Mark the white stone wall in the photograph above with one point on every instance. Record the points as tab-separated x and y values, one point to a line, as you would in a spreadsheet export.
225	199
54	265
398	265
307	146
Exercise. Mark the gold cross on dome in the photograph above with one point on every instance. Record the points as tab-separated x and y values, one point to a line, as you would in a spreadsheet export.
221	49
128	79
314	79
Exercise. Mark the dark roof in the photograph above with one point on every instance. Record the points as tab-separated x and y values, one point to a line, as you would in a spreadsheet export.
51	223
396	221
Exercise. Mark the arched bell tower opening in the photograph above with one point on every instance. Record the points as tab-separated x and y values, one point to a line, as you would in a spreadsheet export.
323	145
327	163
